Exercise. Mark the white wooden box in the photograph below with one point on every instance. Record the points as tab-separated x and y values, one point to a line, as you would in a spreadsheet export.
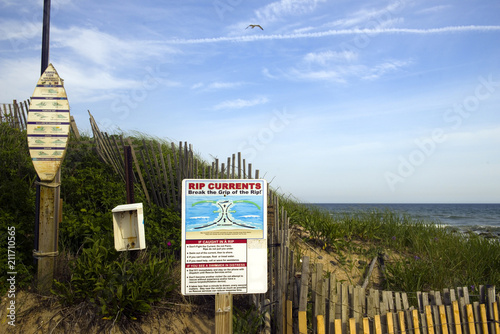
128	227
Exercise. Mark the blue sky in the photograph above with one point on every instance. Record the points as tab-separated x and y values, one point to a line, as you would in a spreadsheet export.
334	101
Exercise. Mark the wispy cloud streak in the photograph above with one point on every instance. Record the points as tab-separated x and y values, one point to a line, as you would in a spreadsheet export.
339	32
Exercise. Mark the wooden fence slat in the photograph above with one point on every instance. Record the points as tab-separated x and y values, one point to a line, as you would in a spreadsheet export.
325	299
153	190
490	299
397	301
356	308
1	116
302	322
428	317
165	175
139	172
24	112
442	318
402	327
344	304
159	182
320	324
332	302
423	323
172	179
477	315
484	318
115	156
456	317
377	324
496	317
390	323
152	175
304	283
352	326
74	128
470	319
449	316
338	326
415	322
314	284
366	325
13	119
289	317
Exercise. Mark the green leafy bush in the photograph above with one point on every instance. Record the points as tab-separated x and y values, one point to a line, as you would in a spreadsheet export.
114	284
17	209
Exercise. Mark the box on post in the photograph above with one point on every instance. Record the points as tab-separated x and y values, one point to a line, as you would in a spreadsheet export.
128	227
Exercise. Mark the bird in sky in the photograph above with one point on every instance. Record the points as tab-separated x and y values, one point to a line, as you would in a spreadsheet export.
254	25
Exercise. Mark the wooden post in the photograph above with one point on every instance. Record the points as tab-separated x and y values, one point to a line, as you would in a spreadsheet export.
46	235
74	127
304	282
223	313
129	179
267	316
138	168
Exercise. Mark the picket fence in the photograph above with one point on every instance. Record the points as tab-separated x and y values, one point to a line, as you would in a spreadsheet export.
15	114
303	299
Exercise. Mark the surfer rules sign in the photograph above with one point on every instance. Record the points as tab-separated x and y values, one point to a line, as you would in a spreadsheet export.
224	236
48	124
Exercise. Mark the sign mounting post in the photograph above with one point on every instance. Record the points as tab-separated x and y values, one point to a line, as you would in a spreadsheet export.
48	133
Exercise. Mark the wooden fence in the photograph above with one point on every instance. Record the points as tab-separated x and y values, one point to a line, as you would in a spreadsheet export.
310	300
15	114
303	299
160	174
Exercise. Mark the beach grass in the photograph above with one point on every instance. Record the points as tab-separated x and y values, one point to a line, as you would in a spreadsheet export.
430	256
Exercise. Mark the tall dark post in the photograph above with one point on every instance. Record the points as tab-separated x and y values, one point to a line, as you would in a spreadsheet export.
47	199
45	35
129	184
44	64
129	176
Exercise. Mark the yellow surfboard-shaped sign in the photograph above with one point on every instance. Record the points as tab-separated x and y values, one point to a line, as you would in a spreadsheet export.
48	124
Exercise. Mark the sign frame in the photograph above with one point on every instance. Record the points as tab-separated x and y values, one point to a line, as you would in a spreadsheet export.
224	236
48	124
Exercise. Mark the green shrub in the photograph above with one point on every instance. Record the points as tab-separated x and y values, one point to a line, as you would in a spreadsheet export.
247	321
114	284
17	209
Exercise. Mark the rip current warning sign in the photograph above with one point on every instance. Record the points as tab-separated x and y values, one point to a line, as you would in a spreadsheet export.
224	236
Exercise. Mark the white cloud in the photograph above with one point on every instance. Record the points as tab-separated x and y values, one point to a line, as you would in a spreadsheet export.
384	68
224	85
217	85
366	17
18	31
105	49
279	9
324	66
323	58
320	75
240	103
197	85
475	138
434	9
23	72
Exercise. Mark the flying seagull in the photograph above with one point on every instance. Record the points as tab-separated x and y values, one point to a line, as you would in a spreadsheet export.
253	26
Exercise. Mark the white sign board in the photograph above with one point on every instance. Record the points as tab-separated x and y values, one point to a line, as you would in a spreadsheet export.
224	236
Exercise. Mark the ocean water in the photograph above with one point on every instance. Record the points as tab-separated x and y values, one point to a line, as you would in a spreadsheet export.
478	218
